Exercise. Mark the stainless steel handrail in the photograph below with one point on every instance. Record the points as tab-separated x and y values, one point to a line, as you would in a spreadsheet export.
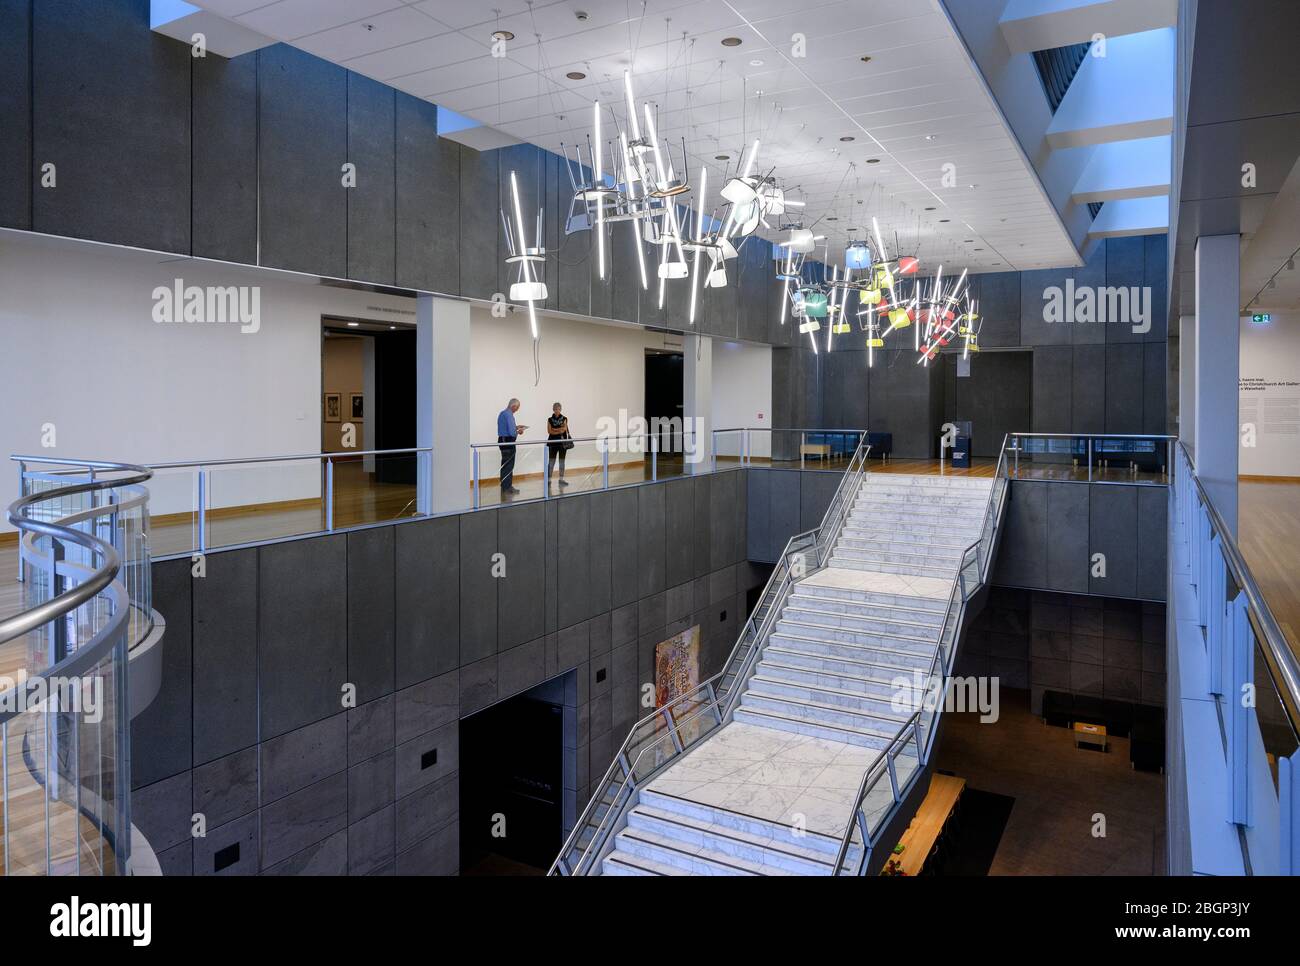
1277	650
94	584
182	464
780	575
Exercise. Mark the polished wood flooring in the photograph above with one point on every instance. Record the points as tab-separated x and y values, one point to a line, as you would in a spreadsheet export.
1268	524
1058	789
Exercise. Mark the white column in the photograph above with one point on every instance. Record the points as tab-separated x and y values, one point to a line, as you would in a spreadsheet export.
1187	381
697	408
1218	350
442	397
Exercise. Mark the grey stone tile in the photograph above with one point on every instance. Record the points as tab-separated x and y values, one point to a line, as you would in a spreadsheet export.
1086	678
372	785
370	729
652	613
572	646
439	854
1153	658
1122	683
428	705
601	714
521	667
1084	620
599	675
303	757
178	860
1122	654
230	849
370	842
478	685
625	624
1047	673
162	811
226	788
600	631
304	818
327	857
1085	649
428	758
1051	644
426	810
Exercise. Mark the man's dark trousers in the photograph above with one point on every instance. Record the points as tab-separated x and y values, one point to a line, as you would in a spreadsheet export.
507	462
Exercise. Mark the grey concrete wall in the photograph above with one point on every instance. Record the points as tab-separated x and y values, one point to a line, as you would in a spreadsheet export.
1052	530
1085	377
250	728
240	159
1098	646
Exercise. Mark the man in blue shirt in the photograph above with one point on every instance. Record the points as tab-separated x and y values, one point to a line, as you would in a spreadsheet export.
507	433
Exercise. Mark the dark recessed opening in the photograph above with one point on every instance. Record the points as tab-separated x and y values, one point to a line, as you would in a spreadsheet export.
722	617
429	759
225	858
731	41
600	675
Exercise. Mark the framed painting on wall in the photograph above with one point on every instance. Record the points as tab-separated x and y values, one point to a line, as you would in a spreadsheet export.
333	407
358	404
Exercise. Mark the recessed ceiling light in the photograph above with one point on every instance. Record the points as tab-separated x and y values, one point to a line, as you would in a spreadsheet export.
392	327
873	160
944	221
832	218
731	41
502	35
755	63
847	137
722	157
865	58
932	137
576	75
968	241
931	208
353	325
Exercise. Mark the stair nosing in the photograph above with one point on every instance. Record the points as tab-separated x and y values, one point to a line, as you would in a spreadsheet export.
676	818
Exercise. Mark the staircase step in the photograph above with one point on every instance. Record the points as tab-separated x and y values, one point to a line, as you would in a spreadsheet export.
888	567
834	664
951	531
798	726
621	863
643	844
770	682
830	634
711	839
901	540
903	659
844	595
876	684
820	713
779	832
922	625
939	557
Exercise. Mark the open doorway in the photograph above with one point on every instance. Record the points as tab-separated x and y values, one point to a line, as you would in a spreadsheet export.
512	783
993	392
665	397
368	403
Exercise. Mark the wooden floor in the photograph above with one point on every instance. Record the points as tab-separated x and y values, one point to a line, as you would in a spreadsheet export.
1058	789
1268	522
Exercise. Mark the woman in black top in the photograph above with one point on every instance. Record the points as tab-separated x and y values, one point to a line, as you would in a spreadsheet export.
557	430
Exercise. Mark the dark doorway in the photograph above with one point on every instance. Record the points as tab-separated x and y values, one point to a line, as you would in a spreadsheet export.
996	396
665	397
511	784
395	405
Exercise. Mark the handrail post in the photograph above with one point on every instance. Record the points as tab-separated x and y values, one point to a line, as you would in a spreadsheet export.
1240	712
203	510
546	472
329	494
654	459
22	492
474	460
59	626
1089	459
604	468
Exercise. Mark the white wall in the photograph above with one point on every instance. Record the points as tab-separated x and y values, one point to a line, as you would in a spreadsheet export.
82	352
593	370
1270	395
742	393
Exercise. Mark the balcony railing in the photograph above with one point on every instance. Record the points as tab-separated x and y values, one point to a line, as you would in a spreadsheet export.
65	707
1231	653
1088	457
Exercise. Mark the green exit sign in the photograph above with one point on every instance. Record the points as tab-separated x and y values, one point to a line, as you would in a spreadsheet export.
1261	319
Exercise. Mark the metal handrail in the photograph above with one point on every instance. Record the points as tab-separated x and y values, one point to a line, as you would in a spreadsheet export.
780	575
957	598
93	585
1276	650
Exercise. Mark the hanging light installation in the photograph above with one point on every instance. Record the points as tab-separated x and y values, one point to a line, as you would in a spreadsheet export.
528	285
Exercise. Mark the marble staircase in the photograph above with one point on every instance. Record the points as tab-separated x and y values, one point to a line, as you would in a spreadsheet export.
836	681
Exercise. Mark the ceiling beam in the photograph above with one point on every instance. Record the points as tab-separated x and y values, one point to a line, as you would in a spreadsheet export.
1133	216
1029	25
1142	168
1122	91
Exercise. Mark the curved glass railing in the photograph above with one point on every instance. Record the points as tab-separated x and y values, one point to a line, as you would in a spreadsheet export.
64	709
661	738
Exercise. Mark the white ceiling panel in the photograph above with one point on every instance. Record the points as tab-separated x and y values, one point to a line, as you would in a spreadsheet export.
918	81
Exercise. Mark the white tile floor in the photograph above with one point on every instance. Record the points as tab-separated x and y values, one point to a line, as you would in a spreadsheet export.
772	775
866	580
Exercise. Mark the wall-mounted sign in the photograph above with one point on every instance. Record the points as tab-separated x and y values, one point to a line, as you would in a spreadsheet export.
1261	318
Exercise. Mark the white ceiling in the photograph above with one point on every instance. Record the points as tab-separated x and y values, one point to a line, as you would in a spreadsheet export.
918	104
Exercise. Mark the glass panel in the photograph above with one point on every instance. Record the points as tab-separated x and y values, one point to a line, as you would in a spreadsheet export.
581	469
173	503
375	489
728	448
263	501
